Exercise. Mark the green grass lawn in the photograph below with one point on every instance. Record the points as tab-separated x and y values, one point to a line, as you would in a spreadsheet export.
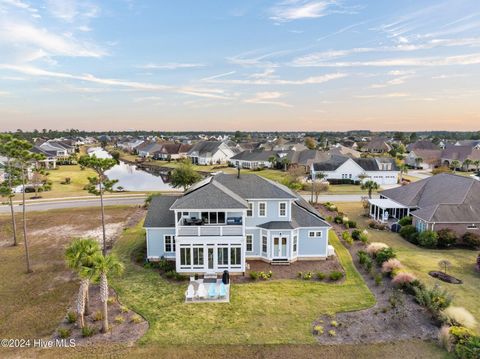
271	312
420	261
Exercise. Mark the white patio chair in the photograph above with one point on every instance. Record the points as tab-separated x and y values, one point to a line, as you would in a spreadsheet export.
190	293
202	292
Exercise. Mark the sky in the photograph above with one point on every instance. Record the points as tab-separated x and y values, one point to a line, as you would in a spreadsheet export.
288	65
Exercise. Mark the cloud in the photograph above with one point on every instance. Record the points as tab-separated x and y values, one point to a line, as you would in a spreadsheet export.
268	98
206	79
267	78
141	86
22	6
290	10
46	43
4	93
170	66
72	10
385	95
469	59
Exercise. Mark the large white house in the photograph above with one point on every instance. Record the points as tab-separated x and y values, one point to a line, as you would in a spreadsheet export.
225	220
381	170
211	152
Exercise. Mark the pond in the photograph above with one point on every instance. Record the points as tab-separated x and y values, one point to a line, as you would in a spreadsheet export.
130	177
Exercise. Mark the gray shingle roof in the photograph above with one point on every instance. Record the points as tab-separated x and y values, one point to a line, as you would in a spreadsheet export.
210	195
205	147
449	213
368	164
255	155
301	217
159	214
250	186
443	188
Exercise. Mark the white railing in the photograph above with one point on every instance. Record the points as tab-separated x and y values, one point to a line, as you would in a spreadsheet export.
207	230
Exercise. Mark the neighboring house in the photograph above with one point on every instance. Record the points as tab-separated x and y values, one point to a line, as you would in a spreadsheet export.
50	160
422	145
149	149
212	152
225	220
472	143
429	158
130	146
441	201
381	170
172	151
341	150
460	153
377	145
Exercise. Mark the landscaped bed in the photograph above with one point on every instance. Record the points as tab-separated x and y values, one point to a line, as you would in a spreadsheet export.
445	277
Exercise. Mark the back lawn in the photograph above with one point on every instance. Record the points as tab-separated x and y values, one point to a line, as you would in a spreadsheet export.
420	261
267	312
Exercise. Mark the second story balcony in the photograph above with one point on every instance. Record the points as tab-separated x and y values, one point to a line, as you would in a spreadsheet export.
212	223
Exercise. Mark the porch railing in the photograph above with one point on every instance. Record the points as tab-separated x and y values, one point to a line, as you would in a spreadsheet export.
209	230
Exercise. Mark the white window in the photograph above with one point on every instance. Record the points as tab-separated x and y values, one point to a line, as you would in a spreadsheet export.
295	244
250	209
282	209
311	234
185	256
318	234
235	256
169	243
262	209
249	242
264	244
198	256
472	226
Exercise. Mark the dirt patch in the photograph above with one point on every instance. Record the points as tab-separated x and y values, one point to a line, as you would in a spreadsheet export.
126	326
394	317
445	277
291	271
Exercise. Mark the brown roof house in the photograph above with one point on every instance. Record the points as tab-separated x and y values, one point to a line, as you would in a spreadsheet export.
460	153
424	158
377	145
441	201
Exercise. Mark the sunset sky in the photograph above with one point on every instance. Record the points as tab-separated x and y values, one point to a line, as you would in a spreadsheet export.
246	65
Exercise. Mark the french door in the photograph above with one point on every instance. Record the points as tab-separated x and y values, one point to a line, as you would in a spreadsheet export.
279	247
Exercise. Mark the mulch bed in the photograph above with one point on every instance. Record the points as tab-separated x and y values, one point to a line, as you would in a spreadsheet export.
445	277
127	332
394	317
290	271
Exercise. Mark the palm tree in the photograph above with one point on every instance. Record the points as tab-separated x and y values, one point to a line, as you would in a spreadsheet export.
403	170
370	186
99	184
418	161
476	163
273	161
79	255
466	164
103	267
285	163
454	165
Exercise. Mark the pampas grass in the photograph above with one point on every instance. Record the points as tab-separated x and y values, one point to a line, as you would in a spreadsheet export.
391	265
445	338
460	316
375	247
403	278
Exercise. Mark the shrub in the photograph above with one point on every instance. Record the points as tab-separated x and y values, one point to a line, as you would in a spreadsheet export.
374	247
71	317
403	278
434	299
110	300
88	331
364	237
413	238
378	279
471	240
123	309
407	231
119	319
338	219
384	255
446	238
468	349
332	333
347	237
351	224
300	274
320	275
445	338
405	221
64	332
266	276
391	265
307	276
459	316
460	333
317	330
97	316
335	275
329	219
136	319
254	275
428	239
410	287
334	323
362	257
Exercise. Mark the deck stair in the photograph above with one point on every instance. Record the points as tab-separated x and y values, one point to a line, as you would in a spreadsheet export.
280	262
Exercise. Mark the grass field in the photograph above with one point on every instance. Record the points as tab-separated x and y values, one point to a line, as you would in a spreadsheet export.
271	312
420	261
